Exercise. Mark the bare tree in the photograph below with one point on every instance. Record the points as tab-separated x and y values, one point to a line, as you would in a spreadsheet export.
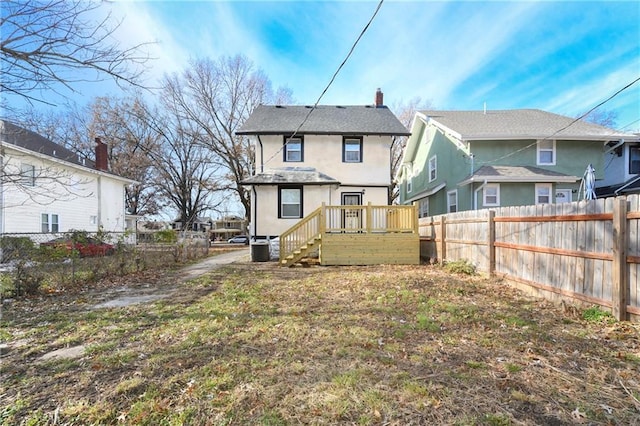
606	118
405	113
54	44
187	173
218	97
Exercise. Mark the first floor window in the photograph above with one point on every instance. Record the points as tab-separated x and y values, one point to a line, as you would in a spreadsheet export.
491	195
352	150
423	207
543	193
452	201
50	222
290	200
634	160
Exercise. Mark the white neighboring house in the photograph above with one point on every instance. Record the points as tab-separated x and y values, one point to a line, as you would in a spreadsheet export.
341	155
621	168
46	188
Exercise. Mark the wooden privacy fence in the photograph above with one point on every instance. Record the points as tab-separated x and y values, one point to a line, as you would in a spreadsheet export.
587	250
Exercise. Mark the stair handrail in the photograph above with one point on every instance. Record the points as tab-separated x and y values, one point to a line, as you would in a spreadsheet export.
310	231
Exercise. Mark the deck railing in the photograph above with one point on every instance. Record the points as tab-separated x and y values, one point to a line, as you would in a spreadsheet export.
349	219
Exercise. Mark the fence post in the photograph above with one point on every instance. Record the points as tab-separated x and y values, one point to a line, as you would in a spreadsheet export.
619	267
491	231
443	236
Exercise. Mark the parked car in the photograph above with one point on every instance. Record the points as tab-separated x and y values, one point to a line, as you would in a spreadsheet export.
85	248
239	239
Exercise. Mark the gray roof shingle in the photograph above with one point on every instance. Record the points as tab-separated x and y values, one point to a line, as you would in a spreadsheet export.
299	175
323	120
520	124
516	174
19	136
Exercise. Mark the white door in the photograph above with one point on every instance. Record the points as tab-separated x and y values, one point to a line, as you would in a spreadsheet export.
563	196
352	218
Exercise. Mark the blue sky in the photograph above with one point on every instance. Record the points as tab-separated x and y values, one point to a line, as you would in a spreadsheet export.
564	57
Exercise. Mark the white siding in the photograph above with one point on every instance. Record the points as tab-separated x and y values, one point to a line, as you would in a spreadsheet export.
73	193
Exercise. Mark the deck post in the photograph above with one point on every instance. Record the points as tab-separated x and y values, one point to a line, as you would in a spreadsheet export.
369	215
619	266
322	226
414	218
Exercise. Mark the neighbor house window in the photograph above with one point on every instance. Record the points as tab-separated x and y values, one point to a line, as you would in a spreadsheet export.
433	168
409	179
50	222
543	193
634	160
290	202
93	220
27	174
293	149
546	152
452	201
491	195
352	150
423	207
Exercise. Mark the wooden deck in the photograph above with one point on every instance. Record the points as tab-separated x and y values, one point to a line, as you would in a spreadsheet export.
354	235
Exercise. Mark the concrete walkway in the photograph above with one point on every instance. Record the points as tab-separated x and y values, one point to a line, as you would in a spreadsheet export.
204	266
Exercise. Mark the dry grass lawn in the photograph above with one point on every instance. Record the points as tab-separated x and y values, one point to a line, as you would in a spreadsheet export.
254	344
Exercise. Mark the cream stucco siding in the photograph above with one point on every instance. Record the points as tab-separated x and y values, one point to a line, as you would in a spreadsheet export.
324	153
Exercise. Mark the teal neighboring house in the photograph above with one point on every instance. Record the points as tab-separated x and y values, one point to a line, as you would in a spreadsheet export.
467	160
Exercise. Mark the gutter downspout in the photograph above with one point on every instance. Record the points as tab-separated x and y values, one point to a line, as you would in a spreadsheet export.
475	194
254	208
261	154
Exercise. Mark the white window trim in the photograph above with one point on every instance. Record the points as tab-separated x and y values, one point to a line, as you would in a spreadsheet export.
27	174
409	179
539	150
485	203
50	222
423	212
544	185
434	168
454	192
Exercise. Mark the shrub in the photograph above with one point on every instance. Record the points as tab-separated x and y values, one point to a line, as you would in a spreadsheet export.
166	236
15	248
461	266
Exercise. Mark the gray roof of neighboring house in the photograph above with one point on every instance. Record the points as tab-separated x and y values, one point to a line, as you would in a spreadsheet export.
19	136
520	124
323	120
292	175
516	174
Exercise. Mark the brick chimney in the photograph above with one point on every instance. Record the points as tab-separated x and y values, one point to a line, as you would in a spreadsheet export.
102	161
379	98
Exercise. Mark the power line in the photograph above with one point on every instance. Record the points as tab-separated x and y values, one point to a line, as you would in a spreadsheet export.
315	105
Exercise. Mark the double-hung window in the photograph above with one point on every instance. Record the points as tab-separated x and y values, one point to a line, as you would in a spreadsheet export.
634	160
49	222
290	202
452	201
543	193
491	195
352	150
27	174
546	152
433	168
293	149
423	207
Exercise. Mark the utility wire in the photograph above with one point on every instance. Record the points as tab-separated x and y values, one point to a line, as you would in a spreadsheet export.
366	27
567	126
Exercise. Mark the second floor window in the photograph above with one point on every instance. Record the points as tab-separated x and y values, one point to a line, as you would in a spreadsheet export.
293	149
634	160
352	150
27	174
546	152
433	168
